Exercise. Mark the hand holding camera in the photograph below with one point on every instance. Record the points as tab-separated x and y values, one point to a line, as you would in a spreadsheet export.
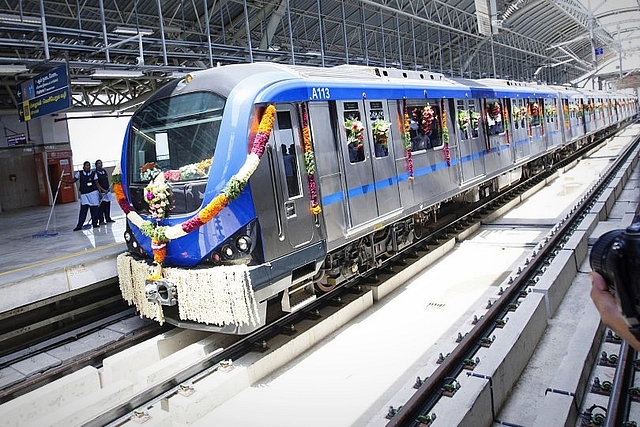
615	260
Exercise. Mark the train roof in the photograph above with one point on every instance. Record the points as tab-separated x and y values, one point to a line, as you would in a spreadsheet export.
272	82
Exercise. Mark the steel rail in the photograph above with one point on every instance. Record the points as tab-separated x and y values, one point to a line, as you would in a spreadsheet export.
431	389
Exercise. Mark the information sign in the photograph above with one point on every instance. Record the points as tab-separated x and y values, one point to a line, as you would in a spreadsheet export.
46	93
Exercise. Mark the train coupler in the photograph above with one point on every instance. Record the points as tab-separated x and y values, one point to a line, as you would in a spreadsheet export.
161	292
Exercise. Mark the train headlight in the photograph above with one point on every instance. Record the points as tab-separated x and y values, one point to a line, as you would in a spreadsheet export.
243	243
227	252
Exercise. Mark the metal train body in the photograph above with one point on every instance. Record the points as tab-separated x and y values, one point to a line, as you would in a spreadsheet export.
373	198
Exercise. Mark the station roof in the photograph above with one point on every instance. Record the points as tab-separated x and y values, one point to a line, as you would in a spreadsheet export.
119	51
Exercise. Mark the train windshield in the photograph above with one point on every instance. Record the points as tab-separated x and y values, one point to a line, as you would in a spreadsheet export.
176	136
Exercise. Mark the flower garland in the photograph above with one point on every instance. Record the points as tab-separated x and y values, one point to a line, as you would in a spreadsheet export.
309	162
445	136
505	121
406	136
157	194
161	235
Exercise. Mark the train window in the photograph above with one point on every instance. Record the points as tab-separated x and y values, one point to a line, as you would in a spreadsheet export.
494	116
590	106
175	135
474	120
424	124
534	112
462	116
354	129
519	113
284	120
380	129
550	110
288	152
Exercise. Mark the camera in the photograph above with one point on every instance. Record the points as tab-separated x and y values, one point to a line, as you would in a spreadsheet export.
616	257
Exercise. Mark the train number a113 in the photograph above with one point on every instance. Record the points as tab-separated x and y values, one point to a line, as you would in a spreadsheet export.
320	93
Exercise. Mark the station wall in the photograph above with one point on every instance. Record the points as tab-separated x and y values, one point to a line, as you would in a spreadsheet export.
19	184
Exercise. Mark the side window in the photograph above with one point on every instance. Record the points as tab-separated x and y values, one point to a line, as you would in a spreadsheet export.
380	129
474	119
288	152
425	124
354	129
462	119
550	110
494	116
519	113
590	106
534	112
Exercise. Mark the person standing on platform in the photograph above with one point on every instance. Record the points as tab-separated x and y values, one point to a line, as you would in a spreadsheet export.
104	214
89	195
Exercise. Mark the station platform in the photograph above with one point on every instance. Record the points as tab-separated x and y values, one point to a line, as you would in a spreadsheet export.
39	262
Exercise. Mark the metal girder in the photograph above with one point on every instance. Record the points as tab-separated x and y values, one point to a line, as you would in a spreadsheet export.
192	34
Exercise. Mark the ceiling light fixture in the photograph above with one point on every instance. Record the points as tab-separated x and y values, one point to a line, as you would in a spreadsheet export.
84	82
115	74
5	17
133	31
10	70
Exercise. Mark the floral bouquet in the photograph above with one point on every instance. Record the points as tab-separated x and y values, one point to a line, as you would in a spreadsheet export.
535	109
158	196
149	171
428	116
463	119
475	117
381	131
355	131
494	110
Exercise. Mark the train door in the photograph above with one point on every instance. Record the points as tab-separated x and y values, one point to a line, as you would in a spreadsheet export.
382	157
520	120
354	143
296	218
470	145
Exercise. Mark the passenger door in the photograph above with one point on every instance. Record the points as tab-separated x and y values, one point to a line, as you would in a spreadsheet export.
297	221
520	123
470	146
382	157
355	145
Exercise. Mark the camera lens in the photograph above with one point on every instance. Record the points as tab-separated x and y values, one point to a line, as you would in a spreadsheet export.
602	257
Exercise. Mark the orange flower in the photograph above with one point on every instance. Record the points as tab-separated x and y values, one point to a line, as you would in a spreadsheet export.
306	137
266	124
213	208
119	191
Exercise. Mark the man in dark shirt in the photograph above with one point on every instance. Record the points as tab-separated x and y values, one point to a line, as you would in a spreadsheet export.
89	195
104	214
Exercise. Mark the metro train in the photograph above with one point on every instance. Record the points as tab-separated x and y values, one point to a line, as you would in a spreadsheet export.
256	187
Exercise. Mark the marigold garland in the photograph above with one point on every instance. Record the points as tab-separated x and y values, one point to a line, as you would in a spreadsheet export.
505	121
406	136
445	136
309	162
161	235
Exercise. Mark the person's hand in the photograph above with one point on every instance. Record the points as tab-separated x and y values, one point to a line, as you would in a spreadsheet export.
609	311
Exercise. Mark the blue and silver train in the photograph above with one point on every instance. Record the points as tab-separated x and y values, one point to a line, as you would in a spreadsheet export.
252	188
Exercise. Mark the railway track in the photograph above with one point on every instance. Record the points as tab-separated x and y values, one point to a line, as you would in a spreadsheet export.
49	339
266	341
444	382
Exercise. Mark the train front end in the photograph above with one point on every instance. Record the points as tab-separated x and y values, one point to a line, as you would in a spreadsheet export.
192	234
